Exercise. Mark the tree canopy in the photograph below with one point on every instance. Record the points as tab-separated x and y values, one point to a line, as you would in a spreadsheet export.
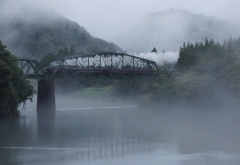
14	88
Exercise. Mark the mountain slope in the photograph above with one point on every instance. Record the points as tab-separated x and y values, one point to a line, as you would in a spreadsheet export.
36	32
169	29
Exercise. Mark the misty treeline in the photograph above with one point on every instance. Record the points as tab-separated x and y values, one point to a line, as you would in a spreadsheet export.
14	88
205	73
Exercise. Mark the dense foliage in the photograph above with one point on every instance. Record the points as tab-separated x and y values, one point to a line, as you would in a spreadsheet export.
14	88
205	70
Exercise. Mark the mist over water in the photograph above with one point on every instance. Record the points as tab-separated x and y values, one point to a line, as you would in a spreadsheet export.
91	132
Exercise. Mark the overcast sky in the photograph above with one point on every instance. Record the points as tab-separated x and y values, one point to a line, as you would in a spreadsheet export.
107	18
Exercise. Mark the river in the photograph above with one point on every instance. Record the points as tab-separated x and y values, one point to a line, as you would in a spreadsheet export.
95	134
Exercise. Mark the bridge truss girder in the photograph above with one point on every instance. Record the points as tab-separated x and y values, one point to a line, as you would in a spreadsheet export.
109	65
103	64
31	69
108	60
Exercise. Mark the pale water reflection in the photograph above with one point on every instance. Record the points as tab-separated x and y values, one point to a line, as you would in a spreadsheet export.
109	136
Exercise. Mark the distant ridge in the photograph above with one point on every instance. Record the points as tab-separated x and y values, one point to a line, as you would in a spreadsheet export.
167	30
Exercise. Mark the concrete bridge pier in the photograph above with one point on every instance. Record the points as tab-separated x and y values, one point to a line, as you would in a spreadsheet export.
46	95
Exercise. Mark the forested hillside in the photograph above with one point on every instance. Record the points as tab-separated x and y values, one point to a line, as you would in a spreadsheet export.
35	32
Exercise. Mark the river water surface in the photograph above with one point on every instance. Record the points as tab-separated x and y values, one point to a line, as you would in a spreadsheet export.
122	135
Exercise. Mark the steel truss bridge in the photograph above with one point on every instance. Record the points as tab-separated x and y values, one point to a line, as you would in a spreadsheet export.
108	65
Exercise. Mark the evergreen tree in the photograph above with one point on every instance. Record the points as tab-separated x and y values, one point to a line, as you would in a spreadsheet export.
206	43
230	39
72	51
230	48
154	50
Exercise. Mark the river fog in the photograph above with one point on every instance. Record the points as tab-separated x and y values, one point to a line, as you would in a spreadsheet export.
101	133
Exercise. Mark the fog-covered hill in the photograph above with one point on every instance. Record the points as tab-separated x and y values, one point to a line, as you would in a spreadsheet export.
29	31
168	30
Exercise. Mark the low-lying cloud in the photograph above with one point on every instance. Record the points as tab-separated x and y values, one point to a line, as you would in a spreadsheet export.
162	57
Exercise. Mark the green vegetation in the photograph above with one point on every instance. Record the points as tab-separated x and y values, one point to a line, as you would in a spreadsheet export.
94	92
14	88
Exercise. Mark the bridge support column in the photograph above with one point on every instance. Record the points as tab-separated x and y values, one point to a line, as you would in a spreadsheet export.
46	95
